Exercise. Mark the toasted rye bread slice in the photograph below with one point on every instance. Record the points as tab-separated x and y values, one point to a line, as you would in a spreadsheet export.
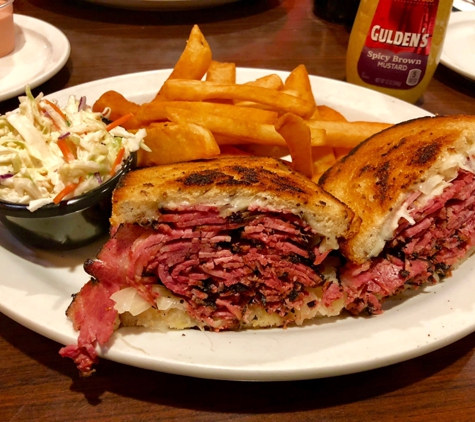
377	177
232	184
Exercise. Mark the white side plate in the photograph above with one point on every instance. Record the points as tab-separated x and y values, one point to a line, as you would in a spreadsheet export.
458	53
41	50
464	5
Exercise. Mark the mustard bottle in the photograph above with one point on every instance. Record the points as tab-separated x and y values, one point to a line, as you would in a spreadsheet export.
395	45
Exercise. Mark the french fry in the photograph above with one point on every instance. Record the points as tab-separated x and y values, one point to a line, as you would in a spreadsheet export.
298	138
328	113
154	111
191	118
221	72
252	105
299	81
157	111
294	94
232	150
173	143
230	139
323	158
323	163
345	134
119	106
271	81
195	58
276	151
186	90
233	130
341	152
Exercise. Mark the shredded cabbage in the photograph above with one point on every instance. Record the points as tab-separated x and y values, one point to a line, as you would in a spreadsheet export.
34	168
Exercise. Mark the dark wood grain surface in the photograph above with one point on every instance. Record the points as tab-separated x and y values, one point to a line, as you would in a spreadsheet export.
36	384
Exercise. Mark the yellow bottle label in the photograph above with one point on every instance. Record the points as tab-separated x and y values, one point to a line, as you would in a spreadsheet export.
397	46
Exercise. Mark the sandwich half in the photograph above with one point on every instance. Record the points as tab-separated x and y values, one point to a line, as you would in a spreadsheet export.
221	244
413	186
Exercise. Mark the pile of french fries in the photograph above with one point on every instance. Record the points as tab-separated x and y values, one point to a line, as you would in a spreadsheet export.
201	112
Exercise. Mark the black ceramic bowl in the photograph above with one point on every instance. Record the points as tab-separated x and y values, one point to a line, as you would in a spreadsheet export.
70	224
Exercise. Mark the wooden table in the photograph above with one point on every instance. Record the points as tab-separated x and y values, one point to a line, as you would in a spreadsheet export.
36	384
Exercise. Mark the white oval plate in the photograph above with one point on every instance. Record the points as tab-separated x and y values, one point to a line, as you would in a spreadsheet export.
37	285
161	4
458	52
41	50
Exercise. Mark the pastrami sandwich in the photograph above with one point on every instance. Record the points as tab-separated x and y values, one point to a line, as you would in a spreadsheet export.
220	244
413	186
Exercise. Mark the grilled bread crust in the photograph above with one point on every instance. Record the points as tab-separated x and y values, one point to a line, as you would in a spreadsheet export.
376	177
241	181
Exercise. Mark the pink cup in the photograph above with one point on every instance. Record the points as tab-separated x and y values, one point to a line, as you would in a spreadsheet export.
7	28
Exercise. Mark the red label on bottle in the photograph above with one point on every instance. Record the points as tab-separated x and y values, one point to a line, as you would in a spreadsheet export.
398	43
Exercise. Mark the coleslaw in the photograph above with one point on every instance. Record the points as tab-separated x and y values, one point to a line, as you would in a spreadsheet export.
49	153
